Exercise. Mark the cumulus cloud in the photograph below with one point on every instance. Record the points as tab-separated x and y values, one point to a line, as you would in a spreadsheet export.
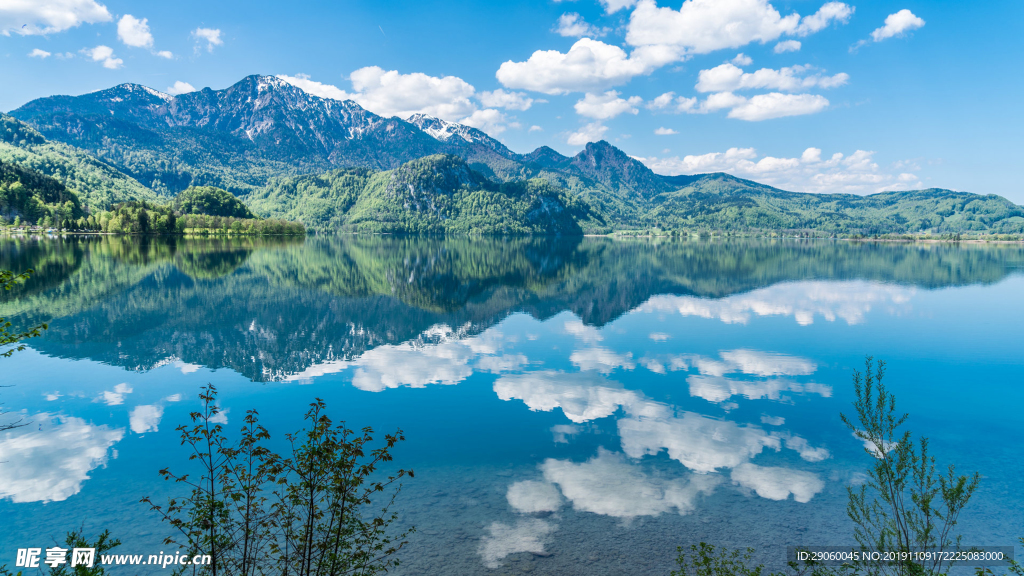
116	396
489	120
602	359
580	396
49	16
613	6
389	93
772	420
134	32
165	54
532	497
573	25
145	418
588	65
669	102
787	46
316	88
502	99
832	12
742	59
582	332
768	363
104	54
775	483
719	389
806	451
607	105
210	35
849	301
729	77
608	484
528	535
778	105
701	443
180	87
589	133
857	173
662	131
37	53
49	460
391	366
897	24
703	26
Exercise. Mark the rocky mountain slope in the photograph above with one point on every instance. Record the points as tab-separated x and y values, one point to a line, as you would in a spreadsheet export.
334	164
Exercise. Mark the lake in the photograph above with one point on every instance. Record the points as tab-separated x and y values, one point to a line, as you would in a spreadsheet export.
571	406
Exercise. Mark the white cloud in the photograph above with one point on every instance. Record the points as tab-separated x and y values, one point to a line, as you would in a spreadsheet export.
37	53
602	359
49	16
489	120
391	366
772	420
607	105
897	24
787	46
174	398
115	397
830	12
703	26
503	363
573	25
776	483
210	35
665	131
528	535
742	59
316	88
104	54
532	497
587	66
180	87
847	300
608	484
768	363
701	443
535	128
806	451
561	432
778	105
582	332
719	389
728	78
221	417
49	460
669	102
165	54
590	133
389	93
134	32
613	6
501	99
856	173
146	418
659	336
580	396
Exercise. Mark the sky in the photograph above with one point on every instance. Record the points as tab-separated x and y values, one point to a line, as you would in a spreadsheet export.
805	95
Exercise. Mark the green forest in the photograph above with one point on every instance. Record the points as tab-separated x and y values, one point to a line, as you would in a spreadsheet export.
31	199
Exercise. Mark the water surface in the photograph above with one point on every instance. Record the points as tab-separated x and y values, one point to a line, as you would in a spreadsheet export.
572	406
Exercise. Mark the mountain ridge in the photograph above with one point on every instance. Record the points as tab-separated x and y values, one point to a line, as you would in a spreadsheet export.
257	135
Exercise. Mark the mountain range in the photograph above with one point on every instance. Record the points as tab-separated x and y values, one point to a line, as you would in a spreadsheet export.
288	153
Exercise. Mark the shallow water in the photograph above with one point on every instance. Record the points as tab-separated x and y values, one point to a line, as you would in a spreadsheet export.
573	406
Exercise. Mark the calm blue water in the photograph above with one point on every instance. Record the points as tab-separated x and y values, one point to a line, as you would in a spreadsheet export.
571	406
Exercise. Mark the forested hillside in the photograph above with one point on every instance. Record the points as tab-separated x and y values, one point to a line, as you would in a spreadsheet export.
28	196
435	194
97	184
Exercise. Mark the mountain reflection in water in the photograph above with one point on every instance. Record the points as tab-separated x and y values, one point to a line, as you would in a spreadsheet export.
572	405
274	310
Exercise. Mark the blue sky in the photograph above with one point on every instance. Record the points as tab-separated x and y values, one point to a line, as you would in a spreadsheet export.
804	95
